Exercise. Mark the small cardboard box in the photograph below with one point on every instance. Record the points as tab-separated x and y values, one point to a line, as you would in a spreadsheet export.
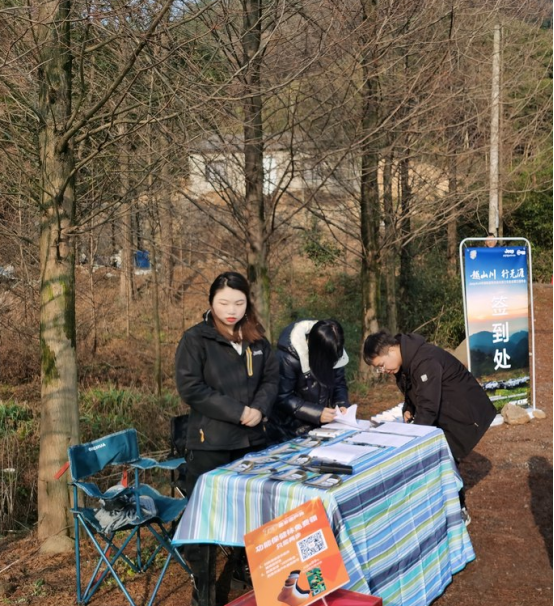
339	597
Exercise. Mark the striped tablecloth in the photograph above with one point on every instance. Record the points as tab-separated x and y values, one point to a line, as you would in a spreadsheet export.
396	520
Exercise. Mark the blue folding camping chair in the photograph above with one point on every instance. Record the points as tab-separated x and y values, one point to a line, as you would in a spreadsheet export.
114	524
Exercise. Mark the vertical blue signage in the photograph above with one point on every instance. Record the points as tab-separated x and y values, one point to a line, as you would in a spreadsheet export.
497	308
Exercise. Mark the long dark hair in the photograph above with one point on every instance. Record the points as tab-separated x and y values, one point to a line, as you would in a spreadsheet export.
249	326
325	348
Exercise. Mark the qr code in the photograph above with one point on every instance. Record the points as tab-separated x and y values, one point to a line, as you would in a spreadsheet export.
312	545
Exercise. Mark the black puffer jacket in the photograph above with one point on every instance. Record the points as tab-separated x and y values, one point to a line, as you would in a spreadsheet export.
440	391
217	383
301	398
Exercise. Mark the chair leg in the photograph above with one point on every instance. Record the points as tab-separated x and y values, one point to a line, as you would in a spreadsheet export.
164	541
77	560
163	538
115	576
95	580
109	553
160	579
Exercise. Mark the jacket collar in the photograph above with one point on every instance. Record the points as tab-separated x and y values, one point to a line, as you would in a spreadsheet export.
409	346
209	330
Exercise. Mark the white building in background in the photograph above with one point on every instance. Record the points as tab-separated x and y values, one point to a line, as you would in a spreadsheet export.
217	165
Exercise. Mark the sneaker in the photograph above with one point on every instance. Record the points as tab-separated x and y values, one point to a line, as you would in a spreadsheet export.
466	518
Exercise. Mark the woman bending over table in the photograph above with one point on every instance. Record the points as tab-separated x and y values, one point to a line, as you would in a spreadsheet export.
312	381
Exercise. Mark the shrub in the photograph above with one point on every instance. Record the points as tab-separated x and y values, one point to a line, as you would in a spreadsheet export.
103	411
108	410
19	440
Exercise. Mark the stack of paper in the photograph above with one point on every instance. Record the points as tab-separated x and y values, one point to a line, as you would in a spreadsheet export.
325	431
375	438
405	429
392	415
348	418
341	452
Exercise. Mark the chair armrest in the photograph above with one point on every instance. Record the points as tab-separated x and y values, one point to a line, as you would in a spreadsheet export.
147	463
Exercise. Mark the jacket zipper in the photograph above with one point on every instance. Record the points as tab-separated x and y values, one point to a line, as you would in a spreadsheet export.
249	364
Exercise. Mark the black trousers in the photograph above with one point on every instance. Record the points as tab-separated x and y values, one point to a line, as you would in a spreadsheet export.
202	556
462	492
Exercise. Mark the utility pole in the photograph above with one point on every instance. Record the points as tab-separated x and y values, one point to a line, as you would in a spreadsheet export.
494	174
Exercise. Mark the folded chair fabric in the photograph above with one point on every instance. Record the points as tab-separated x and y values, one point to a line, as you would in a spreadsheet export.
122	512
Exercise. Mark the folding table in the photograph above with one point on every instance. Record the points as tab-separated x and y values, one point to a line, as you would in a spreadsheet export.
397	519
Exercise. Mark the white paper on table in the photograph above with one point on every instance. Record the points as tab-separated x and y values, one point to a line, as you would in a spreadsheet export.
341	452
393	414
379	439
405	429
326	432
348	418
361	426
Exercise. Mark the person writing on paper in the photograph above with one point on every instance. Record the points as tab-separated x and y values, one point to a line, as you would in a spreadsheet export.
438	390
312	380
228	374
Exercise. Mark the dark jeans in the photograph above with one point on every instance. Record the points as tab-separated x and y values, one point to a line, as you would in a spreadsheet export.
202	556
462	492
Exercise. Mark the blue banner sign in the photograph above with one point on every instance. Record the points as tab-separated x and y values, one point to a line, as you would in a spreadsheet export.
497	316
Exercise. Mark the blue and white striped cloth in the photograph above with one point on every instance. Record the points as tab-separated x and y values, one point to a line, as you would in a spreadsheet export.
396	520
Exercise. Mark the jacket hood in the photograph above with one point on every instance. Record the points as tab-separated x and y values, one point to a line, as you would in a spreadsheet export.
208	324
409	344
294	338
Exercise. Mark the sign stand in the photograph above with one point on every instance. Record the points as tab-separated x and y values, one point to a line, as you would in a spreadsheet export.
492	242
295	559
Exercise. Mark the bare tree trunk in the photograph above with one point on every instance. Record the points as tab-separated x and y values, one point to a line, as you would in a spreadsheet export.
126	276
92	252
452	244
405	228
156	311
452	227
369	196
257	249
168	250
23	254
389	249
60	411
494	182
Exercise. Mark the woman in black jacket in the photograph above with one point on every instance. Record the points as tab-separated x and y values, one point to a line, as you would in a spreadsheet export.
312	381
228	376
438	390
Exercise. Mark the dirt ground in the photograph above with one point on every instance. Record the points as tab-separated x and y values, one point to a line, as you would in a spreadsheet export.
509	481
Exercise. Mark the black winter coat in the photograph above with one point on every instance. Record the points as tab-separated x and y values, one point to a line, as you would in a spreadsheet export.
301	398
440	391
217	383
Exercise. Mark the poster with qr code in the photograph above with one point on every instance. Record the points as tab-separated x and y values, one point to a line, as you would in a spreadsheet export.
294	560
